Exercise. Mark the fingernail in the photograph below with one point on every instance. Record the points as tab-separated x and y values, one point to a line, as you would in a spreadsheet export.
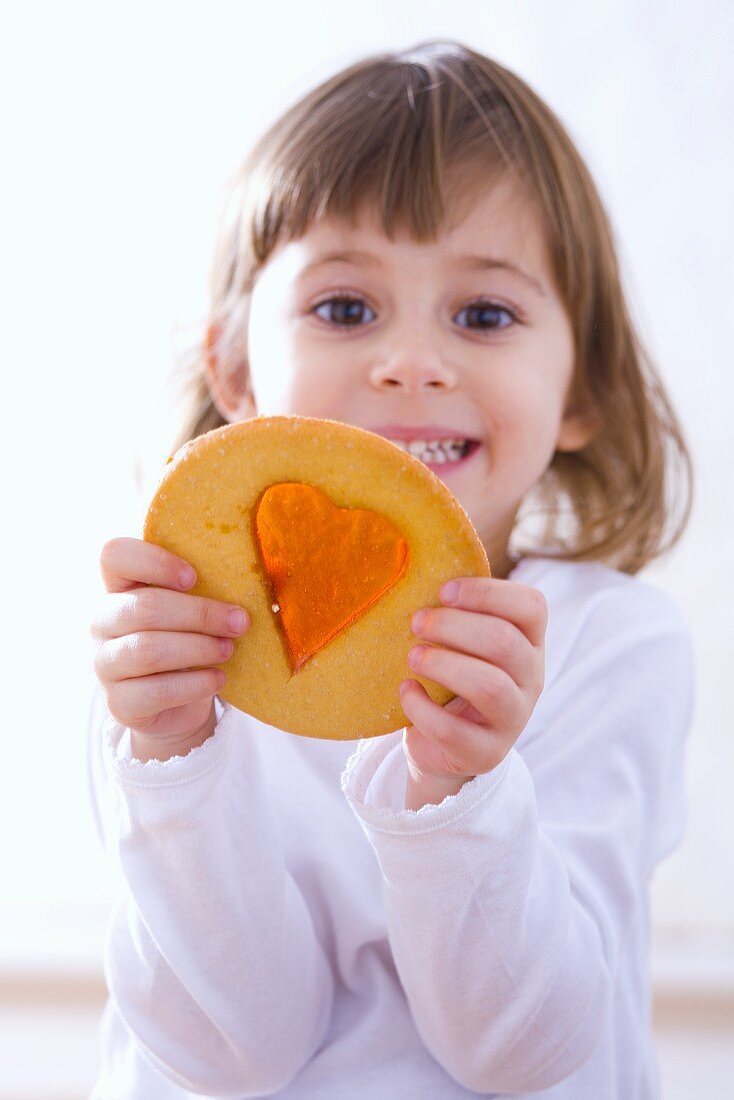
186	577
450	591
414	657
237	621
226	647
417	621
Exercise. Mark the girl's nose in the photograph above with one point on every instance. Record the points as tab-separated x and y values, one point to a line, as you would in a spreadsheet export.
413	366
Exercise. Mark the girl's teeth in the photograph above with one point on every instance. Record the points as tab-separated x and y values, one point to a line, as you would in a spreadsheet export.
433	451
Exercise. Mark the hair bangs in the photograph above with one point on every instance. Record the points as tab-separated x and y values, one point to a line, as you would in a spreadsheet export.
405	138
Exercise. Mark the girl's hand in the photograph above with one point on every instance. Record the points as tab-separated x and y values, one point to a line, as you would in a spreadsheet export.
490	652
155	648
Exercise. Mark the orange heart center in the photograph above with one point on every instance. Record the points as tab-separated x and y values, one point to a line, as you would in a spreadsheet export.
326	564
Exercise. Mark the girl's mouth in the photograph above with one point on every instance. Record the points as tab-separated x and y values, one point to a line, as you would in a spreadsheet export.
442	456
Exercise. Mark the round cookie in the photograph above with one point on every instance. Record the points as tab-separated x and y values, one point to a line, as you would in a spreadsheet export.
331	537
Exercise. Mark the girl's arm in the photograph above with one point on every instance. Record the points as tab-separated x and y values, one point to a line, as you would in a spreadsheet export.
211	959
509	903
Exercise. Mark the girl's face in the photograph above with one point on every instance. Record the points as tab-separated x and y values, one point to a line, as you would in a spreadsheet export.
463	339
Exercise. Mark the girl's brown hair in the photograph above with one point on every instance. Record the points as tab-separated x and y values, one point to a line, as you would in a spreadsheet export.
388	130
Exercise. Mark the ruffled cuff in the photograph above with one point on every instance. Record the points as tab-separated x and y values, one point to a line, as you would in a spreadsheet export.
374	783
130	772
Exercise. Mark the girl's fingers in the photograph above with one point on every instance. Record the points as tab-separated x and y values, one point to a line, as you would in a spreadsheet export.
146	609
134	702
176	723
126	563
158	651
480	635
494	694
442	742
519	604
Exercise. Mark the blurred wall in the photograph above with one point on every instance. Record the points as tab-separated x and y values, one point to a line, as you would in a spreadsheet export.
125	122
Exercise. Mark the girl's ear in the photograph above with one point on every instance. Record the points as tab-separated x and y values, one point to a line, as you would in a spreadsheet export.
229	384
579	426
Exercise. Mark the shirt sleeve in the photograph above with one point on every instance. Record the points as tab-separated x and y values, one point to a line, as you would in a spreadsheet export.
508	904
211	954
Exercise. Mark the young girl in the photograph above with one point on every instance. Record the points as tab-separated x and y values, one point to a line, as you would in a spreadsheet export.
460	907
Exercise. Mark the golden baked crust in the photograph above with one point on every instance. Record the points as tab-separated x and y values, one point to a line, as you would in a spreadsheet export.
204	510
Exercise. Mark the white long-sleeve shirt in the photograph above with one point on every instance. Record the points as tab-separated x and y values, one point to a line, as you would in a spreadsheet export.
285	927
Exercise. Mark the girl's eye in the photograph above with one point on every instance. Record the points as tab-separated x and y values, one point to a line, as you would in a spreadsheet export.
485	316
347	310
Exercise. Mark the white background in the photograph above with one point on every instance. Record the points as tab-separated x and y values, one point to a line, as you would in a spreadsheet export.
123	123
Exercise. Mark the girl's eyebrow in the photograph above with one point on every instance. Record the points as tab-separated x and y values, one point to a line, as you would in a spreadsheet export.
486	263
469	263
352	256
